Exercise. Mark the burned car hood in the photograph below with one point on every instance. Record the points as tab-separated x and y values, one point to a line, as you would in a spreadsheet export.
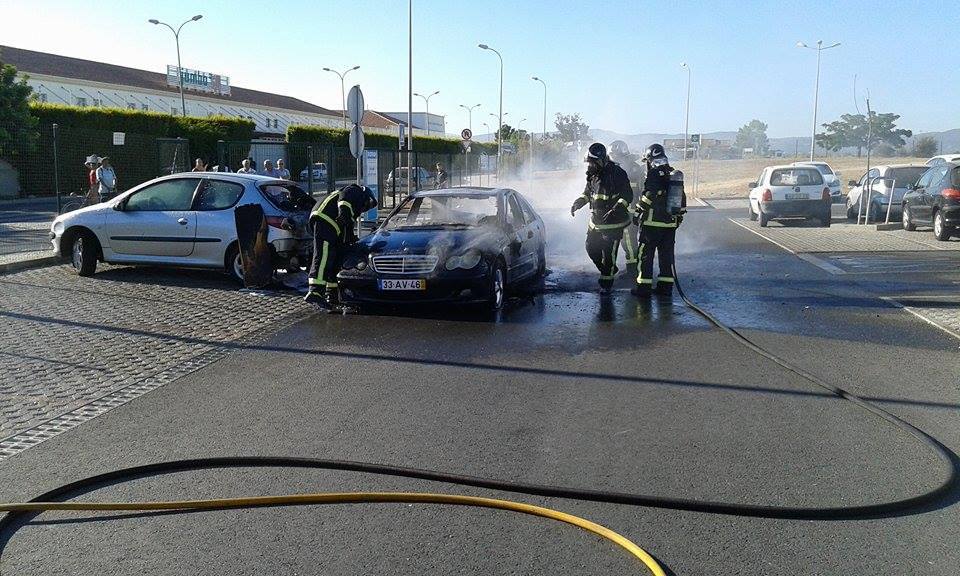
431	240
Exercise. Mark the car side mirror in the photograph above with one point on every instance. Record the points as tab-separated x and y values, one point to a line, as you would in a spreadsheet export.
752	185
853	183
118	206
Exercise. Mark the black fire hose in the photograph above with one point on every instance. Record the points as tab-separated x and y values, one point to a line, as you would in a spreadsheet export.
938	496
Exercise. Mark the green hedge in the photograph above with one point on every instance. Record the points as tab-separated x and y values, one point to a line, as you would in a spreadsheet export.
202	133
340	138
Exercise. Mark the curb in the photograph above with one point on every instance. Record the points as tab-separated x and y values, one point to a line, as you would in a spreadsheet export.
11	267
890	226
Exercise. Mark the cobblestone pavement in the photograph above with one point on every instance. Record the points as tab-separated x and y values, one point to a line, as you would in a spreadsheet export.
16	237
72	347
844	237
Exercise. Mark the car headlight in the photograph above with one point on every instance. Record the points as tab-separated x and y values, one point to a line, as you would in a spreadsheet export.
357	261
467	260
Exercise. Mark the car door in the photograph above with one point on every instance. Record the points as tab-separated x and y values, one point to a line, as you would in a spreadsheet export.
155	221
523	241
535	232
216	226
757	191
922	209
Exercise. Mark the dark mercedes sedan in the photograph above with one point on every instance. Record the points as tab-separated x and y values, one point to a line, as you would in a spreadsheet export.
935	201
460	245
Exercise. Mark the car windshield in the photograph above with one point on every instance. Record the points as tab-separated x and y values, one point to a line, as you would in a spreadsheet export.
906	176
800	176
443	211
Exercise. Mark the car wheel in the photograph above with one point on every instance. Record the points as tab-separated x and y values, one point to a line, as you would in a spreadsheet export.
941	231
851	212
541	262
907	221
753	215
83	253
764	219
234	264
498	287
876	214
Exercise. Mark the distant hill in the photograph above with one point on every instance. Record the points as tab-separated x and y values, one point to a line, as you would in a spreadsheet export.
950	140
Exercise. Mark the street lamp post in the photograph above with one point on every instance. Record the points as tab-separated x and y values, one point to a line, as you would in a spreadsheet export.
816	91
544	105
686	126
343	91
426	100
500	121
469	110
176	36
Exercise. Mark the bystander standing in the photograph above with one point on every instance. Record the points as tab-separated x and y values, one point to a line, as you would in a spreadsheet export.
106	179
247	167
282	171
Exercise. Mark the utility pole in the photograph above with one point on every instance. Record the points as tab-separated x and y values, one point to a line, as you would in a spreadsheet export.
816	91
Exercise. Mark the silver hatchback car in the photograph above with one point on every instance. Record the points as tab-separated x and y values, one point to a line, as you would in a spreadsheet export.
185	220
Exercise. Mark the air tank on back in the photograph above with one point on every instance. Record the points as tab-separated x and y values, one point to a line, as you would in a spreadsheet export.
675	193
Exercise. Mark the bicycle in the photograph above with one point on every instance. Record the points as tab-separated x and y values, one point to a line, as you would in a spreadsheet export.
82	199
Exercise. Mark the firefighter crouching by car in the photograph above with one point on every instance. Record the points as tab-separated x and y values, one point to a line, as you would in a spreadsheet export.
333	228
609	195
659	212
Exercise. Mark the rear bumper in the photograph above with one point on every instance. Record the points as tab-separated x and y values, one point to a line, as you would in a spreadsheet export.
796	208
951	215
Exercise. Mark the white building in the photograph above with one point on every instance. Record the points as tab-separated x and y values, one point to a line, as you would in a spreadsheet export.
64	80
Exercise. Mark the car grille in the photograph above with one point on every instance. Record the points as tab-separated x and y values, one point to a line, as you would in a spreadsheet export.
405	264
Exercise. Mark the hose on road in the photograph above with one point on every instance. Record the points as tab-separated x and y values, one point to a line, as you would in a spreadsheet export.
21	513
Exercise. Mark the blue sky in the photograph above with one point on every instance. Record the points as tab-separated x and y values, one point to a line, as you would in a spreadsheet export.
616	63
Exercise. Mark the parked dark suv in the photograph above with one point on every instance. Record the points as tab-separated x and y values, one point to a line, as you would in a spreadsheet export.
935	201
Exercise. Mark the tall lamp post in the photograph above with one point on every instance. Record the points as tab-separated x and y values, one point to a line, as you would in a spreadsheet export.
686	126
469	110
426	100
544	105
343	94
500	120
816	91
176	36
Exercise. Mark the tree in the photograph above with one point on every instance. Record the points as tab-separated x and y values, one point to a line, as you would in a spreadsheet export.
571	127
926	147
753	135
852	131
17	126
506	132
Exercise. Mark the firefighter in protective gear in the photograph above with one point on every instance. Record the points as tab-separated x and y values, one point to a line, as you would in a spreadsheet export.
620	153
333	222
659	215
609	195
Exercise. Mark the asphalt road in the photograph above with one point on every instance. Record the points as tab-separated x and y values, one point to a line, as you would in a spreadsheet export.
562	388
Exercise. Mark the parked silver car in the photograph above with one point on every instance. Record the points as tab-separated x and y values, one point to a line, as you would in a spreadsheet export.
872	193
185	220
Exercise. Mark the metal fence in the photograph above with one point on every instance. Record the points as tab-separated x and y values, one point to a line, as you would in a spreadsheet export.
42	175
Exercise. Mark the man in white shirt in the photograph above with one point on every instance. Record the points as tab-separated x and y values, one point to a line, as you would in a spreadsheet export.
269	170
106	179
247	168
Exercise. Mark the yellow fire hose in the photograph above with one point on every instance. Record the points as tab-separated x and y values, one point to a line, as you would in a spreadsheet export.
348	498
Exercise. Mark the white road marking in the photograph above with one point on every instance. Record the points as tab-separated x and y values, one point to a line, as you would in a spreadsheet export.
898	304
772	241
702	202
821	263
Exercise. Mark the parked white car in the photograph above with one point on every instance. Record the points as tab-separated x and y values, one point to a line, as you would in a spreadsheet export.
790	192
878	186
831	178
942	159
185	220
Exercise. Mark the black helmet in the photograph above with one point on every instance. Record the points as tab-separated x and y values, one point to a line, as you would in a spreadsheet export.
653	152
596	151
619	148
